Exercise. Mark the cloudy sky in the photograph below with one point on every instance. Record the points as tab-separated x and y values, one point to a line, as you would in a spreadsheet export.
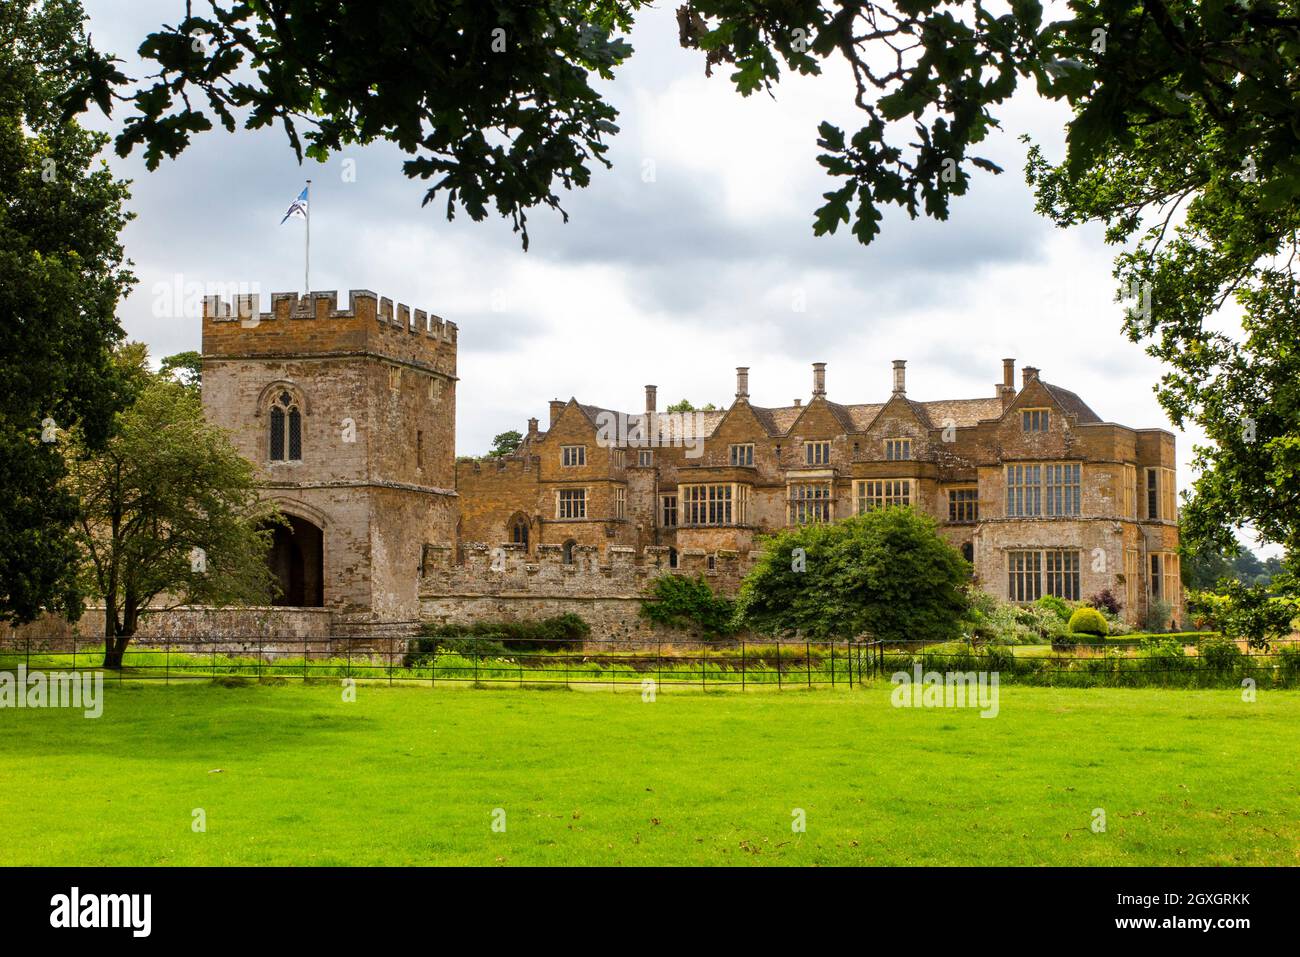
672	281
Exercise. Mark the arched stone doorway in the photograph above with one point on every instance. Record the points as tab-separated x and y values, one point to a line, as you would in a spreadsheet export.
297	559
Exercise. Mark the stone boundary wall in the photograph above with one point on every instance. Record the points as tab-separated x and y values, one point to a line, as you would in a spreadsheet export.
276	631
504	583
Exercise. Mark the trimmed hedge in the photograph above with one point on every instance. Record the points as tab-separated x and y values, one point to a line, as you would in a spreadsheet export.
1089	621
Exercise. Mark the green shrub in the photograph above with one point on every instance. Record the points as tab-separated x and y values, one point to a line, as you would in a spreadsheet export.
888	573
1158	616
1057	605
1288	661
1220	654
682	602
1116	624
1089	621
488	639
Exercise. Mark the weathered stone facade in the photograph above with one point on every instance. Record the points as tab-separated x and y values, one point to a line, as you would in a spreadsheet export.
1040	494
507	583
350	417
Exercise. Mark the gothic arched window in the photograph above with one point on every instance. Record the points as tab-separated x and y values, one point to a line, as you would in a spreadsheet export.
286	429
519	531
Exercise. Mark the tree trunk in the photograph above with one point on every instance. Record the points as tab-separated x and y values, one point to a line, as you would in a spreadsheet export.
114	649
116	639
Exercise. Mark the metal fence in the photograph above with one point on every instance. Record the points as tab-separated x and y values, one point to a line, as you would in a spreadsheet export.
742	664
777	664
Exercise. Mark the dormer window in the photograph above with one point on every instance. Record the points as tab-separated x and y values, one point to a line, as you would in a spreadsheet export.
286	429
1035	420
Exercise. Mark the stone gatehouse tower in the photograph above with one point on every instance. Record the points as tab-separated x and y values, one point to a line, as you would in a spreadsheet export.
349	416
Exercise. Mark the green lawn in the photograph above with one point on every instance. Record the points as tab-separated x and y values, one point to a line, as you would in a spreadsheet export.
412	776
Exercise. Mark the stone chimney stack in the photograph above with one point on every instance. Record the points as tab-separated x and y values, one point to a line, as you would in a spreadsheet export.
1029	374
900	377
819	379
557	406
651	396
742	382
532	426
1006	389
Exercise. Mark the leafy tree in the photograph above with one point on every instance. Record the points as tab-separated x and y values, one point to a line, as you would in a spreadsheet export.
678	601
685	405
1205	563
1259	614
185	367
1190	163
505	443
887	573
169	514
497	103
493	101
62	272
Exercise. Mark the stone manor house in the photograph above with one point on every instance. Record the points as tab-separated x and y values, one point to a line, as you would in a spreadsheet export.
349	415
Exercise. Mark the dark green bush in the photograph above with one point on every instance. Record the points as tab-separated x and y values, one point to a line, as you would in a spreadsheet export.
888	573
679	601
1220	654
499	638
1089	621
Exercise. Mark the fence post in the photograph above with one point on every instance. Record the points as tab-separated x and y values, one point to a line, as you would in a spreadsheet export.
832	662
74	651
433	666
475	659
742	664
778	664
807	660
167	661
27	663
659	660
259	657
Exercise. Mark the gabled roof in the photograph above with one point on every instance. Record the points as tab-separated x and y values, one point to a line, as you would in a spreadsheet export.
779	420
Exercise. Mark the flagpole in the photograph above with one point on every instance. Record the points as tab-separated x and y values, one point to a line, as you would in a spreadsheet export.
306	268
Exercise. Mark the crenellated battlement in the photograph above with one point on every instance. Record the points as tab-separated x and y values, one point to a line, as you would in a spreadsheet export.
362	303
314	323
507	569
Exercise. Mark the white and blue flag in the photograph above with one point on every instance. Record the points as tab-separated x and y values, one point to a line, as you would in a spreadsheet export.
298	207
